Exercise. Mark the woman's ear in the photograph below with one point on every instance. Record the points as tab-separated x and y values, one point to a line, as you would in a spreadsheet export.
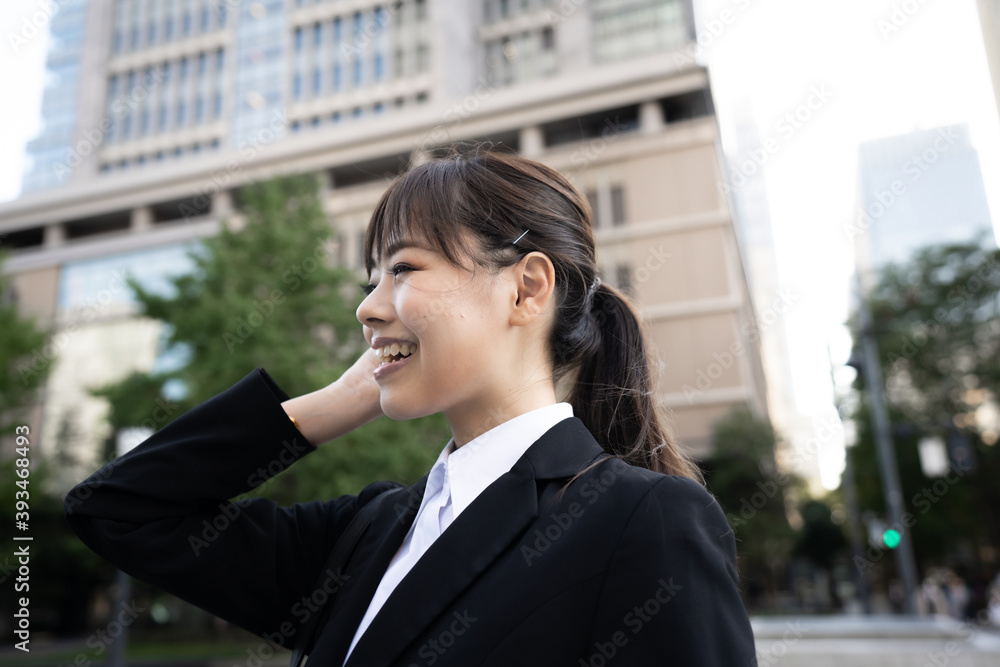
534	287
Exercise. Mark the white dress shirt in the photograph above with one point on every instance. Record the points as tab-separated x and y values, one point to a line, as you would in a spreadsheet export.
456	479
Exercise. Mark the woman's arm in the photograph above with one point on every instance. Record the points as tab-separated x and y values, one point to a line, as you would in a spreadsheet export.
163	514
671	590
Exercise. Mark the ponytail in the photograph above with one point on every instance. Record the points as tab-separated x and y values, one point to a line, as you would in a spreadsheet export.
615	394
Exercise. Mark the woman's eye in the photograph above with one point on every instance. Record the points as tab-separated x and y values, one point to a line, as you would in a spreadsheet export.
367	289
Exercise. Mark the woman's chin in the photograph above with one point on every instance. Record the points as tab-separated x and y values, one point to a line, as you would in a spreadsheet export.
397	411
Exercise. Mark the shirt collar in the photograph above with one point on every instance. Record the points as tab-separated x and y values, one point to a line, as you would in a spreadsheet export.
481	461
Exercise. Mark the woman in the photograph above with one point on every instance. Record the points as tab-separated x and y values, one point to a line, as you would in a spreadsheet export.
548	532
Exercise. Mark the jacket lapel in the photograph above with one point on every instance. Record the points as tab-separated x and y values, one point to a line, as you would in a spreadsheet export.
471	543
396	516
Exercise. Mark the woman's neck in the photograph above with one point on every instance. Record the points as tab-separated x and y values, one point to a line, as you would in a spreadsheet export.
471	420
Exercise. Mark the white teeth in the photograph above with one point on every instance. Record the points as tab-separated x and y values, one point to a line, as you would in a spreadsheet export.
389	351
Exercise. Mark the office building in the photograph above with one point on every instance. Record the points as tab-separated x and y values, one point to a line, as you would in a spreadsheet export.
182	101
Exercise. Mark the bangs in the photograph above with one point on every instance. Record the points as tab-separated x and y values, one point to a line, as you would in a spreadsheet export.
418	209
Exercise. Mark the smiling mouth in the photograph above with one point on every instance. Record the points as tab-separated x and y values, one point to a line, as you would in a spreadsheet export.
393	353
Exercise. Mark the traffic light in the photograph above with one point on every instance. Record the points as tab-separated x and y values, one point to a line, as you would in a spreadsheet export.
891	538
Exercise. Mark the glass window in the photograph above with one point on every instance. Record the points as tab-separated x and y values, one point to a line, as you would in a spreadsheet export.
217	107
82	283
336	76
151	38
317	81
298	40
594	209
318	34
184	69
199	109
202	64
186	24
617	206
297	87
220	60
623	276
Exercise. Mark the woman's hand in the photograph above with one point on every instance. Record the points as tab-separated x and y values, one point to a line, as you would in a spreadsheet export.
359	379
340	407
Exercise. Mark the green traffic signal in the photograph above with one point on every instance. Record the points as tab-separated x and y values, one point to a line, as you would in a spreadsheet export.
891	538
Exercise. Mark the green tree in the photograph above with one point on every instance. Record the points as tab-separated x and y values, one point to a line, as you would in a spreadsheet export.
936	320
268	295
22	356
742	475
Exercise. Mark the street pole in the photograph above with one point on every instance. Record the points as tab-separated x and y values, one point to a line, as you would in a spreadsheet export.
887	467
848	484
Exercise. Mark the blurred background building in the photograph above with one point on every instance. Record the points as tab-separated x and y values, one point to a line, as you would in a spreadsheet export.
916	190
769	293
989	22
159	110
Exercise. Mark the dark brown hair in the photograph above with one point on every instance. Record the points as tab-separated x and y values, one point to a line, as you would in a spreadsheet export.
597	332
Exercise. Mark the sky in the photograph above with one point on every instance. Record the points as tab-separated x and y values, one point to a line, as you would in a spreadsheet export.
862	69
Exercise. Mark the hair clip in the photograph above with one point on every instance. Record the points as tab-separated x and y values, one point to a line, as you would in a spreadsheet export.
521	236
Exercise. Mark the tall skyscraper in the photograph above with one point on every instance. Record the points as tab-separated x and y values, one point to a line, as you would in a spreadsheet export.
772	299
183	101
914	190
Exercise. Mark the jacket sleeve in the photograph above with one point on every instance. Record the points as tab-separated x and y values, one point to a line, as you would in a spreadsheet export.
163	512
671	589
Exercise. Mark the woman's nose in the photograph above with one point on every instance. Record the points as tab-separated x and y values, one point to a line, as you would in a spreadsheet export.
375	307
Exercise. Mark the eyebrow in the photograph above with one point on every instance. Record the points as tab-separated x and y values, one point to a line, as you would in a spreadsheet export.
400	244
405	243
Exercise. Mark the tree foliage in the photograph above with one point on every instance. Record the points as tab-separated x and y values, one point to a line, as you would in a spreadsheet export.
742	475
936	321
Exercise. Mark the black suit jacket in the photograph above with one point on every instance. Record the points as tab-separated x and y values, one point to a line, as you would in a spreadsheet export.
623	567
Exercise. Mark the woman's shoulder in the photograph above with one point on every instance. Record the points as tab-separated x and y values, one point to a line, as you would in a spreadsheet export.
651	513
641	484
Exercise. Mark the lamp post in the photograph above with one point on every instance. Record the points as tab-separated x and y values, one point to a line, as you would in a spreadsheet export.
868	364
